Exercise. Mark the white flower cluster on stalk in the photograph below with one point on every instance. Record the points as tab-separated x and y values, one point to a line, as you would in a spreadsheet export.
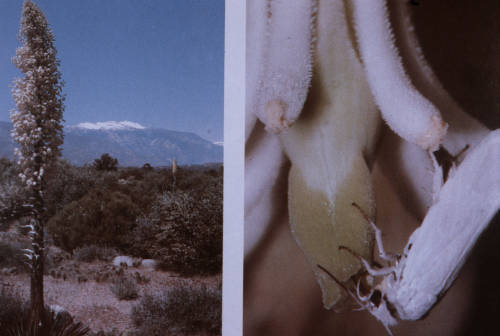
40	103
39	131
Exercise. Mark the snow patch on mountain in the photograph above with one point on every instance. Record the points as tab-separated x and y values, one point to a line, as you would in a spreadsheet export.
110	125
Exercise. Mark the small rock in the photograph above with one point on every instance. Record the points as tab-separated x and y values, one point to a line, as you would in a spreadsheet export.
118	261
149	263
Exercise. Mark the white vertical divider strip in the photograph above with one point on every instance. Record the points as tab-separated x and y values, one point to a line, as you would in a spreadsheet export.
234	140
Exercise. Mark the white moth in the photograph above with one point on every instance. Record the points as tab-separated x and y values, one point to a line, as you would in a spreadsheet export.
436	250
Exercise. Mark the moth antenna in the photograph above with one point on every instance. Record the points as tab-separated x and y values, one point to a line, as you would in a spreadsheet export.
361	304
363	213
355	254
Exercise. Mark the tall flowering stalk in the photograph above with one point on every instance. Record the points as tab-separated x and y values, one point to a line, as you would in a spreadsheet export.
174	172
38	129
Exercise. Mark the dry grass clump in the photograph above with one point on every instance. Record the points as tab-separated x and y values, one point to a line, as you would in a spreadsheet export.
182	309
124	288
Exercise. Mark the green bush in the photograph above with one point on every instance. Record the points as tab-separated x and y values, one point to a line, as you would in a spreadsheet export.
92	252
68	183
101	217
184	232
179	310
106	163
135	211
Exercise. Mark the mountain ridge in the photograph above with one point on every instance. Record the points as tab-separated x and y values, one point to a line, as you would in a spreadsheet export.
133	146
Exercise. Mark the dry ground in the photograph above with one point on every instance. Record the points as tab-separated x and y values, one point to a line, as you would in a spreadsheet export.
73	286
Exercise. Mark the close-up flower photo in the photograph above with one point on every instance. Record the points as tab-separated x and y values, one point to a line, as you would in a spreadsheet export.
372	167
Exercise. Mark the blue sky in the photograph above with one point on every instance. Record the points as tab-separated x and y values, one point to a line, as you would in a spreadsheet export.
156	62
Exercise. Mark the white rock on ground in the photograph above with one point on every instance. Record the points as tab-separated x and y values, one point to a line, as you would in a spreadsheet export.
119	260
148	263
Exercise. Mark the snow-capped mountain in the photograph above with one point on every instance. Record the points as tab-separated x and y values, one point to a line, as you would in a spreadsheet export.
110	125
131	143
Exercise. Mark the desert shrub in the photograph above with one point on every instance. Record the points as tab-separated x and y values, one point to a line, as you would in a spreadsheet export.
53	258
144	234
141	193
105	253
14	319
106	162
124	288
113	332
183	232
90	253
12	194
12	255
147	167
179	310
190	179
69	183
13	306
101	217
132	173
85	253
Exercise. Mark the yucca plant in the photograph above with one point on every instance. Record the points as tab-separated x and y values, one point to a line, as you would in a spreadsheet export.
38	130
174	172
52	324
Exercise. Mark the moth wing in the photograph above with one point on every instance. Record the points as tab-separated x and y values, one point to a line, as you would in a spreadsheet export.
465	206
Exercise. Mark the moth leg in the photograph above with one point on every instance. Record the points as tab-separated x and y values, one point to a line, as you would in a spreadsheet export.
359	300
372	271
361	297
378	237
